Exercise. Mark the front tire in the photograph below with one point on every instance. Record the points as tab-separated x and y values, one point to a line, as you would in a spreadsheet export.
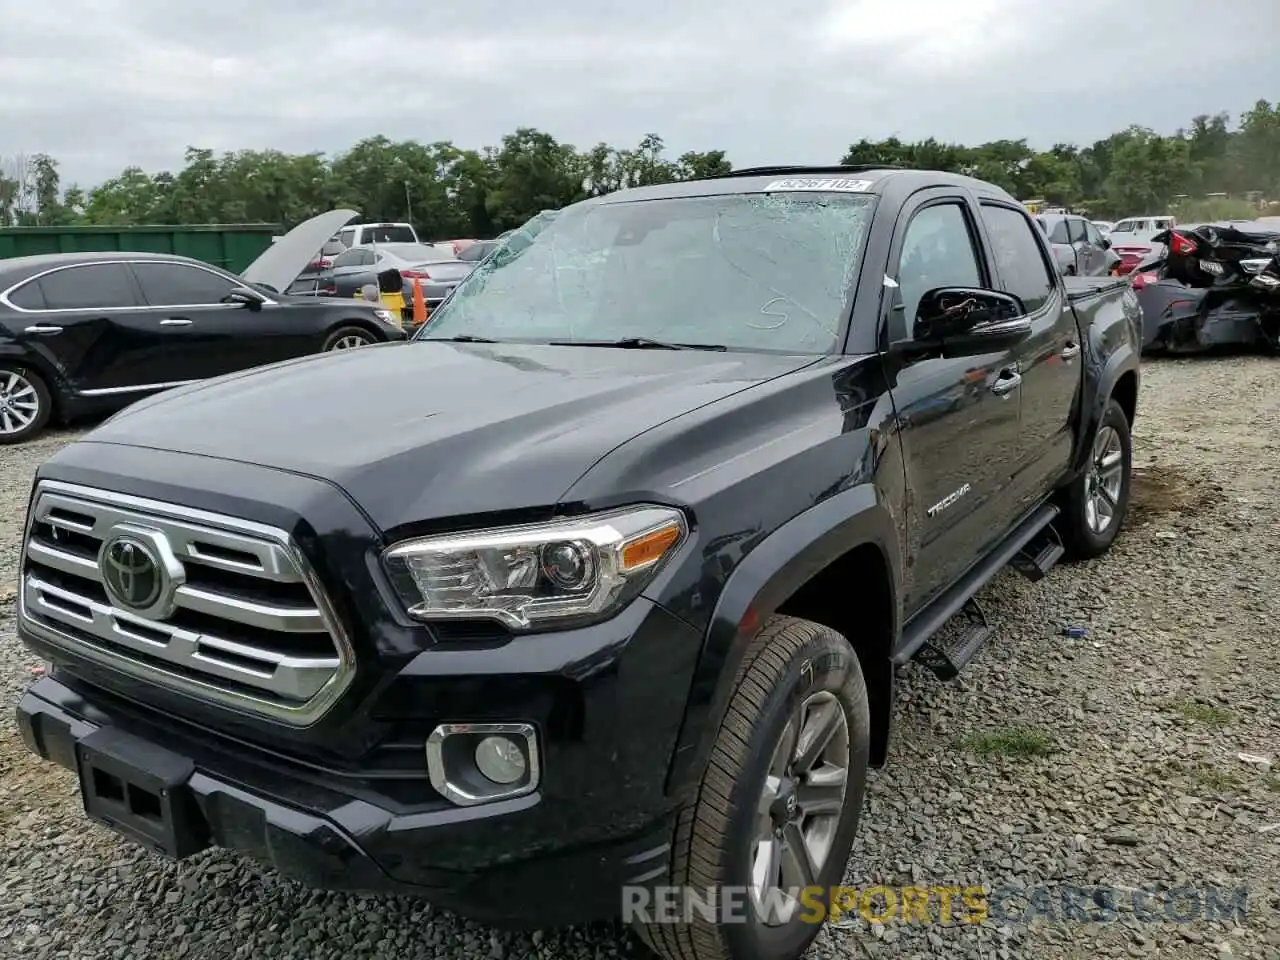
25	404
1096	502
348	338
779	801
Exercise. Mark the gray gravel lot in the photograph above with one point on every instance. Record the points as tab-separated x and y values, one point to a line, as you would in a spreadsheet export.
1109	760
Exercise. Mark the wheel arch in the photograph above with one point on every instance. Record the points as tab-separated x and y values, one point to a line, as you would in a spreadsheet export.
791	571
1118	379
362	323
1125	393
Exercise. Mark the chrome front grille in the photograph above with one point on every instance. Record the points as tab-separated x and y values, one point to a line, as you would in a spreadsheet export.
224	609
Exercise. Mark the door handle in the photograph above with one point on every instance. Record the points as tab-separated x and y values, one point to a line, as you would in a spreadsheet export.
43	330
1070	351
175	322
1006	382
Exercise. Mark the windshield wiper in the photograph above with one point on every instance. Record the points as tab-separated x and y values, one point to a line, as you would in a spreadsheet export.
639	343
462	338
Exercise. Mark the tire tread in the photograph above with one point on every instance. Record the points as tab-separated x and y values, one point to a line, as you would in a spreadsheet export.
1078	540
702	824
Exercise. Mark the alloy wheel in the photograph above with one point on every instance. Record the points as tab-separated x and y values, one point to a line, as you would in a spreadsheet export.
350	342
1104	480
800	807
19	402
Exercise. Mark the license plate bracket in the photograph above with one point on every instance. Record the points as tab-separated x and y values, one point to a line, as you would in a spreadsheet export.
141	791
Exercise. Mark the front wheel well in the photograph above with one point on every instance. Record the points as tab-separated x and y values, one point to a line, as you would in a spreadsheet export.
1125	393
853	595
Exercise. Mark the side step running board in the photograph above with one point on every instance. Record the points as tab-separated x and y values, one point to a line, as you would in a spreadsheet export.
946	658
1041	555
931	619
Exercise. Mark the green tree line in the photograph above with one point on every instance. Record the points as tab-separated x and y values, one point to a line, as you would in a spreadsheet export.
447	191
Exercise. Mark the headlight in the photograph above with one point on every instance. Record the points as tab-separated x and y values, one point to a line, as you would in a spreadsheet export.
576	569
386	316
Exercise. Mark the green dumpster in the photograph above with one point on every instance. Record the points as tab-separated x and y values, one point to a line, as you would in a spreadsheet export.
232	246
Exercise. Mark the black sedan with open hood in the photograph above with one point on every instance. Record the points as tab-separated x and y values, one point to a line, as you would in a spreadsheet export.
87	333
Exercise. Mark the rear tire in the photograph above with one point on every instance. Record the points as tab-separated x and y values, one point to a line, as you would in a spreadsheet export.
1101	492
798	680
348	338
25	404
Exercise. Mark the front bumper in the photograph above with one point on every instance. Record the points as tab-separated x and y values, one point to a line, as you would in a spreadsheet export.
338	841
346	801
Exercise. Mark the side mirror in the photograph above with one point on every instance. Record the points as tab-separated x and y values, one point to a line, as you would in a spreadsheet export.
1106	243
245	298
967	321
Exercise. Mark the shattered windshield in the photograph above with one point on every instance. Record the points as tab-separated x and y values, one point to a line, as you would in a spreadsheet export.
751	272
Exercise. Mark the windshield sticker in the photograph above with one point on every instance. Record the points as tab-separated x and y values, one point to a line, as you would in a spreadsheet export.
835	184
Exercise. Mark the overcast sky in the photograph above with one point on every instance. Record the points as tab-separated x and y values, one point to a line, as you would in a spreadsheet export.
102	84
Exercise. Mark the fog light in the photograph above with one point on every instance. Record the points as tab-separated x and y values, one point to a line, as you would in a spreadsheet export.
500	759
470	763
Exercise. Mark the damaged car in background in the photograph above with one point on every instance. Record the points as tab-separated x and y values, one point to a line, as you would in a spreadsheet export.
1211	285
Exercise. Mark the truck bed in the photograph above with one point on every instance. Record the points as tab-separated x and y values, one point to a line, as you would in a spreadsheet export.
1082	288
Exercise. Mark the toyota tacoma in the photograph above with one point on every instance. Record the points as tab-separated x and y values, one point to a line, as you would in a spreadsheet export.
601	581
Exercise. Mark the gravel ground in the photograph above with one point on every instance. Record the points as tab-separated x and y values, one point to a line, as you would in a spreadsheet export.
1053	762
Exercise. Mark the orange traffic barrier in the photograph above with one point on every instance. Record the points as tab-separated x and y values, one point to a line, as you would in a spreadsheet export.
419	303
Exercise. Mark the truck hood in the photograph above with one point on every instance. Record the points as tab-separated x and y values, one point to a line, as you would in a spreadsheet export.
427	430
282	262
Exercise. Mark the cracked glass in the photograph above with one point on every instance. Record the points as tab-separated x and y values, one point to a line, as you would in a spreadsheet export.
768	272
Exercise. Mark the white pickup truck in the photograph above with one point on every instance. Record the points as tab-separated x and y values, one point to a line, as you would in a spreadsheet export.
1131	238
362	234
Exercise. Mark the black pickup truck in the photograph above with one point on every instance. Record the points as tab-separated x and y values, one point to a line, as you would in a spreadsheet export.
601	582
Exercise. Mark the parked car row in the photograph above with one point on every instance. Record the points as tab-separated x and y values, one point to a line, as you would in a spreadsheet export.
83	334
436	273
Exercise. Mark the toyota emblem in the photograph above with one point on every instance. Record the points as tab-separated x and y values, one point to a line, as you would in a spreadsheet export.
131	573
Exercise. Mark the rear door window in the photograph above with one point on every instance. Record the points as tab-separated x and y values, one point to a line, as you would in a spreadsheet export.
93	286
389	234
178	284
1077	230
352	258
28	296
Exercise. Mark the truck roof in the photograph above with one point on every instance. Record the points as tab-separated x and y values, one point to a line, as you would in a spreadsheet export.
860	178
